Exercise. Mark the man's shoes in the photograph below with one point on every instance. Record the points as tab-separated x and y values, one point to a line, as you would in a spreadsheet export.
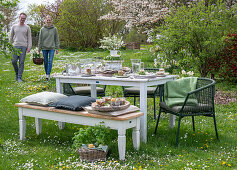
19	80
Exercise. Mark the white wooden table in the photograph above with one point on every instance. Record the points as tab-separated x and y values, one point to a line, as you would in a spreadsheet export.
102	80
120	123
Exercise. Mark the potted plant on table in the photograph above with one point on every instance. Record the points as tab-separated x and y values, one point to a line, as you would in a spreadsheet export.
90	143
37	59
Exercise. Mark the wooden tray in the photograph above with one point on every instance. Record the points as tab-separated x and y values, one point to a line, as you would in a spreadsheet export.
111	108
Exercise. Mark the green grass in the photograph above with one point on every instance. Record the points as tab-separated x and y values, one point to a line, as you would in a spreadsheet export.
53	148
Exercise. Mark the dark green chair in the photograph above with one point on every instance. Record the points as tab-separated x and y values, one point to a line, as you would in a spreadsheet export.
82	90
204	93
152	92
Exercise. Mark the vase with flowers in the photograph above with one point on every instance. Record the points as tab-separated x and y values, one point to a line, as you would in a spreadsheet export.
113	44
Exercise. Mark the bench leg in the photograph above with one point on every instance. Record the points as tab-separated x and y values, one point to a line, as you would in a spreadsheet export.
136	135
38	125
122	143
22	124
61	125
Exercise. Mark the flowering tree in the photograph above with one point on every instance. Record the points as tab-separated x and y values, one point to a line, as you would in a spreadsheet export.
142	13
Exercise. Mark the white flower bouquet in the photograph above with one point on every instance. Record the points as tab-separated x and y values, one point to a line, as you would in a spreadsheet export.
111	43
35	53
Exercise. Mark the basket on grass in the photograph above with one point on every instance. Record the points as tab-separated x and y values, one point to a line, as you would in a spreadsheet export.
38	61
91	155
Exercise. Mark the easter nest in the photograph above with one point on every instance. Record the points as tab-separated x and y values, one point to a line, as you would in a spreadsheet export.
110	108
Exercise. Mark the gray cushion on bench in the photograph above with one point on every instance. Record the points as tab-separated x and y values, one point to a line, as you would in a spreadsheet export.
75	102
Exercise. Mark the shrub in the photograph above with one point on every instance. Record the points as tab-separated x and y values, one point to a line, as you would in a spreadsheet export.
228	59
78	23
196	33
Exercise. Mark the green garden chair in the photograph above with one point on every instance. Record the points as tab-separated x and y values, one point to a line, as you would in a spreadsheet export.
82	90
203	95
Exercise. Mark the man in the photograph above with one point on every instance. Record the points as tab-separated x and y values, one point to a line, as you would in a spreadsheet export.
20	37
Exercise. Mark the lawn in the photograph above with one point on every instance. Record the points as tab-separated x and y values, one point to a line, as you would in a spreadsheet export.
53	148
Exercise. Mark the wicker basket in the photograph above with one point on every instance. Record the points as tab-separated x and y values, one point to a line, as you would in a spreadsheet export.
38	61
92	155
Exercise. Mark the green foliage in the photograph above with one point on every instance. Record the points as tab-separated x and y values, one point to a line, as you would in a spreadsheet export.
135	36
96	135
195	33
5	46
35	29
78	23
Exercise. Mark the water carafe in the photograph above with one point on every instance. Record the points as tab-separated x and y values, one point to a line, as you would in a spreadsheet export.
137	65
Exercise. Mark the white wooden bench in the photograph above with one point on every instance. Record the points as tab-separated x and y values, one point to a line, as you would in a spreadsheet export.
120	123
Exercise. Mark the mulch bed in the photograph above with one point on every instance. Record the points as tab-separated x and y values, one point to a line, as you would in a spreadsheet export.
225	98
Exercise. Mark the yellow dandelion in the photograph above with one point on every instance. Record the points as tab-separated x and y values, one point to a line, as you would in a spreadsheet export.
201	147
140	167
223	163
134	168
229	165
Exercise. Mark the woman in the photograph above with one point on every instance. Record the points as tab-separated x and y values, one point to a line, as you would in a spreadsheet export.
48	43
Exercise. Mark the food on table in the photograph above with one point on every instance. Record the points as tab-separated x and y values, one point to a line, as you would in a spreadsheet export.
120	72
91	146
107	99
88	71
100	102
122	101
160	73
142	72
113	99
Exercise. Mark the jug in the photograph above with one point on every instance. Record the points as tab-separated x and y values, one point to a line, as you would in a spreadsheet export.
115	53
137	65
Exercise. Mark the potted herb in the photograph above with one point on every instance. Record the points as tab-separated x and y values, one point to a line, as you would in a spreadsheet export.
36	57
90	142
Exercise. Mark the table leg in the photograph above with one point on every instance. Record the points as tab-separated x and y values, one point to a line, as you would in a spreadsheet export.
59	86
38	125
122	143
143	108
22	124
93	91
136	135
